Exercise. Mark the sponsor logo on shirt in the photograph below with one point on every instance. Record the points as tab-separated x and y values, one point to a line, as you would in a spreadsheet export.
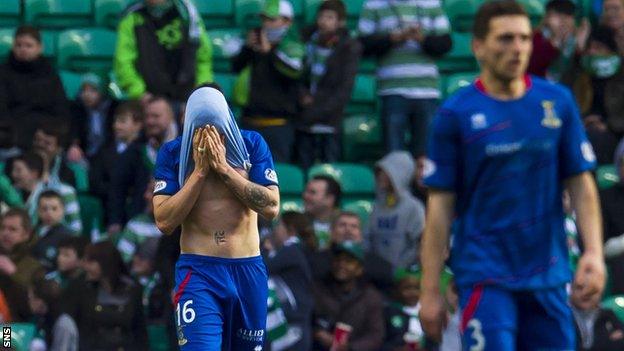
588	152
478	121
270	174
429	168
160	185
503	148
550	119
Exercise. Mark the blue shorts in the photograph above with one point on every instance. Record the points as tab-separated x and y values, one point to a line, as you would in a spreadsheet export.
220	303
498	319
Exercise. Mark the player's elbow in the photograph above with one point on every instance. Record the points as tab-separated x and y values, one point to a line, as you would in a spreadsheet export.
164	226
271	212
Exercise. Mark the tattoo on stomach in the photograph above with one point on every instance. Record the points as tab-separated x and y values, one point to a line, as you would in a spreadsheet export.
219	237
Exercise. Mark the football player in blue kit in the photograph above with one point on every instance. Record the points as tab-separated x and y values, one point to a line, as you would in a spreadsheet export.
500	153
214	181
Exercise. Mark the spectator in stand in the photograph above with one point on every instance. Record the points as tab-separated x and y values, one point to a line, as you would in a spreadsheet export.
321	201
398	218
9	195
613	17
27	173
331	63
612	205
275	60
106	305
16	239
342	297
127	125
68	260
598	328
92	119
134	166
30	88
13	301
288	268
156	299
50	230
49	142
406	37
8	148
59	330
557	40
162	50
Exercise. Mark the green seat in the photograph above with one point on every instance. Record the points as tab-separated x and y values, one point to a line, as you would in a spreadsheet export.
10	13
290	177
87	50
114	89
71	83
158	337
361	138
362	208
535	9
354	7
81	175
58	13
456	81
291	203
299	9
226	42
310	9
22	334
461	13
247	13
108	12
226	82
460	58
216	14
355	180
367	65
607	176
615	304
6	41
91	214
363	96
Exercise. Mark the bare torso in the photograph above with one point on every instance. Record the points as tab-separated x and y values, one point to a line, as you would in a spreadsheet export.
220	224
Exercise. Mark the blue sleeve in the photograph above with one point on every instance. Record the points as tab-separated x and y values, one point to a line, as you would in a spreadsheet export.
262	170
576	154
443	159
166	172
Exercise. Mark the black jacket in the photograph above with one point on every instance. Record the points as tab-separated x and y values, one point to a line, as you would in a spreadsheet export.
79	129
45	249
606	330
333	90
29	93
612	202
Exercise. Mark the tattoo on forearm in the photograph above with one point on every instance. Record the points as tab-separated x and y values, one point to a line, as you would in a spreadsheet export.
257	197
219	237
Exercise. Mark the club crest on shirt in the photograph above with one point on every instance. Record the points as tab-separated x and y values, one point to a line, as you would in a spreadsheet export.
160	185
478	121
270	174
550	120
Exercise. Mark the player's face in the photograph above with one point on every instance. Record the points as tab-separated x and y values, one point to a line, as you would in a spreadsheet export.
409	291
505	51
22	176
12	233
50	210
346	228
613	14
67	259
345	267
26	48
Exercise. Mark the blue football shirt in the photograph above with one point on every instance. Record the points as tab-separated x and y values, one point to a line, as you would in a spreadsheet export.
262	170
506	162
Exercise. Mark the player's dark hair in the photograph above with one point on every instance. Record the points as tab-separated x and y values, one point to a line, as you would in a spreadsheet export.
493	9
333	187
333	5
109	259
28	30
76	243
132	108
51	194
23	216
33	161
302	225
565	7
52	127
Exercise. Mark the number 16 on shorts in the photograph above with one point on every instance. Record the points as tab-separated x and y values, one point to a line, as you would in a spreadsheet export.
187	313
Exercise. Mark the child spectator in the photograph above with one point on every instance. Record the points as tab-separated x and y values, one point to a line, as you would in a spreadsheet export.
50	230
68	261
331	63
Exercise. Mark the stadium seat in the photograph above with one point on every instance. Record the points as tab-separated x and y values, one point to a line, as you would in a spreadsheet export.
89	49
216	14
114	89
6	41
158	337
10	13
108	12
607	176
226	82
461	13
615	304
455	81
226	42
247	13
535	9
291	203
311	6
367	65
21	335
81	175
91	213
299	9
363	97
354	7
362	208
460	58
355	180
58	13
361	138
290	179
71	83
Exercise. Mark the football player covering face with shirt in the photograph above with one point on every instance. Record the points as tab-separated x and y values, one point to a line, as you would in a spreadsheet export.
216	196
499	155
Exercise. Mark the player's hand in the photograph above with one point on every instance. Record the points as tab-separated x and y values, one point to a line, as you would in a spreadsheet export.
215	150
199	152
433	316
589	281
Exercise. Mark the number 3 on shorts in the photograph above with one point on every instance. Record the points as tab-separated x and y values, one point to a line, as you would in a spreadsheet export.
188	313
477	335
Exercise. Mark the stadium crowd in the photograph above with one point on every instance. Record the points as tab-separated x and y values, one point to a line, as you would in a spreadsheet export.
110	288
